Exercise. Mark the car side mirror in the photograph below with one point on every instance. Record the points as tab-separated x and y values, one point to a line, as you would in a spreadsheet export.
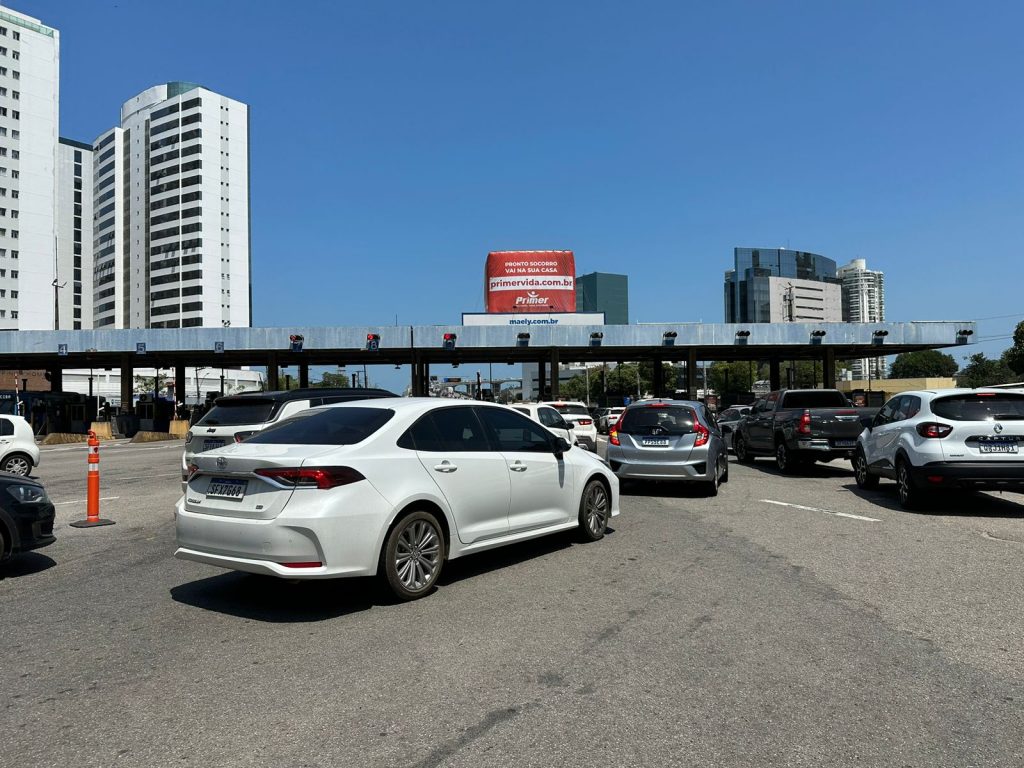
559	446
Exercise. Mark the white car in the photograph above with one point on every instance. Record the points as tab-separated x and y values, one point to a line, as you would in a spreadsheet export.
609	419
544	414
19	453
583	425
931	441
393	487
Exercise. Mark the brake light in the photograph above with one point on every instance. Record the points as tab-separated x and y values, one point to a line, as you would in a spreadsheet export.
658	405
703	433
188	436
240	436
613	437
192	469
804	427
322	478
933	429
584	422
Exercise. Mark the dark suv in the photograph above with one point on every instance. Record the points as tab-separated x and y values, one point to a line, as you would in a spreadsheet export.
26	515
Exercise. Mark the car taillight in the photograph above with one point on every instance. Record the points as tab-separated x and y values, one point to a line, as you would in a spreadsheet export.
322	478
584	422
804	427
192	469
703	434
188	436
933	429
240	436
613	437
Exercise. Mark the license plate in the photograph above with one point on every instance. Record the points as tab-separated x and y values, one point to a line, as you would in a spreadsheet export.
655	443
209	445
226	488
998	447
845	443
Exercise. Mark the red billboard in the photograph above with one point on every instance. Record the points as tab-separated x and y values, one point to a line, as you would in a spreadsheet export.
530	281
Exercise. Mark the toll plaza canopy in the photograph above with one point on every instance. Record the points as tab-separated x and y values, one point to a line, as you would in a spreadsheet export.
423	345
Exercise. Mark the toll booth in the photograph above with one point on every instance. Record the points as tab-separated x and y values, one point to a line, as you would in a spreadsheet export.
154	414
49	412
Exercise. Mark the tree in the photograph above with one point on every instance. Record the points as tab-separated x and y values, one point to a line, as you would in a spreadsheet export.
1013	358
982	372
333	380
923	364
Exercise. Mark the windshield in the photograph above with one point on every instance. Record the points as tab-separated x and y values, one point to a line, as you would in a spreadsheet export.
578	410
979	406
234	413
657	420
325	426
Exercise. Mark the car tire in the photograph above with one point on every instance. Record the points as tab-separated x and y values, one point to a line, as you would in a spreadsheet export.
784	458
909	495
5	544
742	453
17	464
711	487
725	474
864	479
595	510
413	555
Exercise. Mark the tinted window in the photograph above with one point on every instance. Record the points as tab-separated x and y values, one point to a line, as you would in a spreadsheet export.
888	412
459	430
233	413
729	414
422	436
979	406
512	432
549	417
823	399
580	410
327	426
657	420
6	427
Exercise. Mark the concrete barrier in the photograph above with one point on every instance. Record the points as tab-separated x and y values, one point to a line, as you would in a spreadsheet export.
103	430
178	428
61	438
152	437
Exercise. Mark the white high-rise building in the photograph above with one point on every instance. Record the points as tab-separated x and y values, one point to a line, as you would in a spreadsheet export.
863	302
73	279
29	89
171	241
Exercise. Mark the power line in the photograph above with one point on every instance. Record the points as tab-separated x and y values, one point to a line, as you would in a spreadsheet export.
997	317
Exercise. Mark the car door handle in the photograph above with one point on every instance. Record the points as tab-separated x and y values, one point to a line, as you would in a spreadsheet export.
517	466
445	466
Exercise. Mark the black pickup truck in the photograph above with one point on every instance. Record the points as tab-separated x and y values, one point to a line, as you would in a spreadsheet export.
798	426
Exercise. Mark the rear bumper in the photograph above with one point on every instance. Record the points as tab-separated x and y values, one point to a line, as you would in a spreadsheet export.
1005	475
695	472
587	441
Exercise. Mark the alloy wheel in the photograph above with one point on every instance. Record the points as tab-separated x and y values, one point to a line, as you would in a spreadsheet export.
17	465
595	509
418	555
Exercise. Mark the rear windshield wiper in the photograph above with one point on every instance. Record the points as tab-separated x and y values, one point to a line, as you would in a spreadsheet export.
1008	416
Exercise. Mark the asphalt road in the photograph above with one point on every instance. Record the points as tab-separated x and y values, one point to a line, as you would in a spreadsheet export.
788	621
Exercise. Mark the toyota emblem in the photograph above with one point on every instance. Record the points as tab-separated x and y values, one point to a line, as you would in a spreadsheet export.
997	428
221	462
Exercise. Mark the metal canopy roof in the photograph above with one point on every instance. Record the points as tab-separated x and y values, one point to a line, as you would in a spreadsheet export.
402	344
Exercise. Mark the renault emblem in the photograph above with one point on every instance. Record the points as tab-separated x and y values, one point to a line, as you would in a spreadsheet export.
997	428
222	462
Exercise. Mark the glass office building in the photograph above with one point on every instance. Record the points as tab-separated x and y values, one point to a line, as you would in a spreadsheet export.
748	285
604	292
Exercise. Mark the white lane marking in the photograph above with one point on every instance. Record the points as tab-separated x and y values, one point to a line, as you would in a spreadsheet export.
82	501
826	511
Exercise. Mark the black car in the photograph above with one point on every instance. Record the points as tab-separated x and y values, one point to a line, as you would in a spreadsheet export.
26	515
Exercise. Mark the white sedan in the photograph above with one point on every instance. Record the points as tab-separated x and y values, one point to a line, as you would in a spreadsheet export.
392	487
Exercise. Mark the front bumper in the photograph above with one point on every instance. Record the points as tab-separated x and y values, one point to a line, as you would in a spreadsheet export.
31	526
1003	475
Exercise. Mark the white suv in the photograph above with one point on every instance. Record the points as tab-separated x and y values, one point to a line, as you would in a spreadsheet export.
544	414
947	438
583	424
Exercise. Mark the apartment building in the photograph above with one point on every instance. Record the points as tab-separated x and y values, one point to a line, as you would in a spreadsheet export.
863	302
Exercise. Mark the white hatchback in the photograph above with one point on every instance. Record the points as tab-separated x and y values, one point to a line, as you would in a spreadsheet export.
934	440
393	487
18	450
583	424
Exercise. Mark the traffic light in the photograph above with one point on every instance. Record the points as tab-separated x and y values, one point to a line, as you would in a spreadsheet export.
449	341
295	341
372	342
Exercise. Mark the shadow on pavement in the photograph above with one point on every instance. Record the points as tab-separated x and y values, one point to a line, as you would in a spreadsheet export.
948	503
25	564
766	465
665	489
265	598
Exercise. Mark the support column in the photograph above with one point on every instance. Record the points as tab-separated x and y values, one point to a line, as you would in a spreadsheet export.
56	376
272	372
425	378
658	378
829	369
127	379
542	379
691	374
774	375
414	378
303	375
179	383
554	374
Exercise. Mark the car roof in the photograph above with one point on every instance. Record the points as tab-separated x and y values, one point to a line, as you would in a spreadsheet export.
416	405
288	395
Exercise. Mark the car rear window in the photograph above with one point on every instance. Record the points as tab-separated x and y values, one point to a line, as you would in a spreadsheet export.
824	399
577	410
657	420
326	426
979	406
234	413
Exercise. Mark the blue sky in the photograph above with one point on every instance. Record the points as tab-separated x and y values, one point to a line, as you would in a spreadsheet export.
394	144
